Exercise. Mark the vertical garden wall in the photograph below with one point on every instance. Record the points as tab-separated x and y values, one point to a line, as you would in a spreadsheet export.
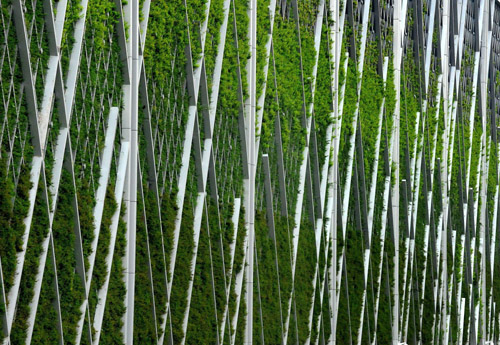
249	171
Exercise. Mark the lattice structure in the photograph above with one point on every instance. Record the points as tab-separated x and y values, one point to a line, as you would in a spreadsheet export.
249	171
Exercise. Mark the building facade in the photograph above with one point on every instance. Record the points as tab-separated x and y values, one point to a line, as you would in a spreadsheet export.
249	171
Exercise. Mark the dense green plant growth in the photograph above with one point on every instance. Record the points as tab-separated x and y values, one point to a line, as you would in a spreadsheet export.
156	249
323	99
212	40
169	211
16	121
291	95
14	206
100	270
240	251
202	321
428	313
165	67
242	24
86	203
269	115
304	276
316	311
226	233
73	10
350	101
240	329
409	106
196	17
390	100
71	286
101	16
227	141
372	92
384	320
308	11
38	43
355	276
98	88
492	180
237	269
263	31
476	150
325	325
46	324
39	230
458	178
182	271
221	238
308	59
115	308
144	322
268	283
283	228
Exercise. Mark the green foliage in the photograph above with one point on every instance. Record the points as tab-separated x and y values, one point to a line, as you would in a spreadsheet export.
165	67
39	230
323	100
291	94
226	233
492	180
38	45
71	286
98	88
237	268
15	117
284	245
304	276
14	206
196	16
475	155
308	11
350	101
325	325
144	322
263	30
240	330
156	238
268	283
86	203
226	131
242	24
221	237
100	270
372	92
182	272
409	106
269	116
355	279
384	321
46	325
101	18
308	60
202	325
212	41
240	251
390	98
166	39
73	10
115	308
428	311
169	211
268	254
316	311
